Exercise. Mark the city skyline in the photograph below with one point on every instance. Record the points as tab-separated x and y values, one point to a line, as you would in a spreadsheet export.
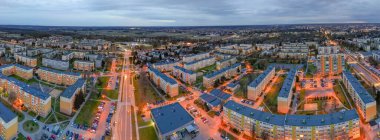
185	13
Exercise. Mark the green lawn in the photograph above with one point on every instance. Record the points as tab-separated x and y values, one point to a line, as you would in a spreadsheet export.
148	133
51	120
61	117
134	136
43	119
30	126
103	82
20	137
208	69
271	97
144	92
86	116
112	94
32	113
141	122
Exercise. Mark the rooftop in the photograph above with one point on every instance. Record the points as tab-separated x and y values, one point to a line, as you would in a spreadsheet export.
170	117
60	72
6	114
220	94
184	70
292	120
222	70
163	76
287	85
25	87
210	99
260	78
69	91
358	87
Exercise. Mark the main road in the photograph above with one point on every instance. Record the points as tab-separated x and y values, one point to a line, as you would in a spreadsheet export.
122	129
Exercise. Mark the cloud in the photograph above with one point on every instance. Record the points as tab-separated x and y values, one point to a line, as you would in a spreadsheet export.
186	12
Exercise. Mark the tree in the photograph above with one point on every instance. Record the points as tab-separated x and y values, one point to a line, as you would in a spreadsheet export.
12	97
79	99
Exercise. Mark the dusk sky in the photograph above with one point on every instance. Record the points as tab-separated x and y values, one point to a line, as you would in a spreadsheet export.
186	12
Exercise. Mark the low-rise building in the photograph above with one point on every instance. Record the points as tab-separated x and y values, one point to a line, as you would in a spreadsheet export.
26	60
233	87
364	102
8	123
172	120
285	96
264	125
225	63
211	101
165	83
227	72
220	56
256	87
198	64
70	55
185	75
67	97
55	64
84	65
58	77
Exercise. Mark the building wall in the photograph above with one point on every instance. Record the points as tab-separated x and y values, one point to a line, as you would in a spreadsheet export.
254	92
84	66
9	130
66	105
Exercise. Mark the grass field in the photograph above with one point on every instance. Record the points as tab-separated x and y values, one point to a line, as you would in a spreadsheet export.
30	126
207	69
112	94
271	97
148	133
144	92
86	116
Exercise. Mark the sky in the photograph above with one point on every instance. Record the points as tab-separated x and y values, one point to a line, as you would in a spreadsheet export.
186	12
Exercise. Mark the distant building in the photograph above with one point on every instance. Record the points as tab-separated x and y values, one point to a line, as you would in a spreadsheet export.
225	63
172	120
185	75
194	57
228	72
84	65
58	77
198	64
165	66
55	64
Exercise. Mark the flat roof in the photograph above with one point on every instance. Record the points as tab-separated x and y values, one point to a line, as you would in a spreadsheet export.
69	91
358	87
184	70
220	94
292	120
170	117
6	114
210	99
25	87
163	76
222	70
287	85
17	65
260	78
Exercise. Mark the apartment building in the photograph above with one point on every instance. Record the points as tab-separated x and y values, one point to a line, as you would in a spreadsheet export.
70	55
35	100
293	50
8	123
26	60
17	69
256	87
330	64
364	102
165	66
58	77
265	46
84	65
55	64
172	120
328	49
228	72
198	64
264	125
237	49
67	97
284	98
185	75
225	63
220	56
194	57
165	83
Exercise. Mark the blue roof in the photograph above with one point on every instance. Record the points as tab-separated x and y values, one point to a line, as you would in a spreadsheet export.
69	91
163	76
358	87
60	72
292	120
232	84
170	117
184	70
25	87
196	61
210	99
287	85
6	114
220	94
222	70
260	78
